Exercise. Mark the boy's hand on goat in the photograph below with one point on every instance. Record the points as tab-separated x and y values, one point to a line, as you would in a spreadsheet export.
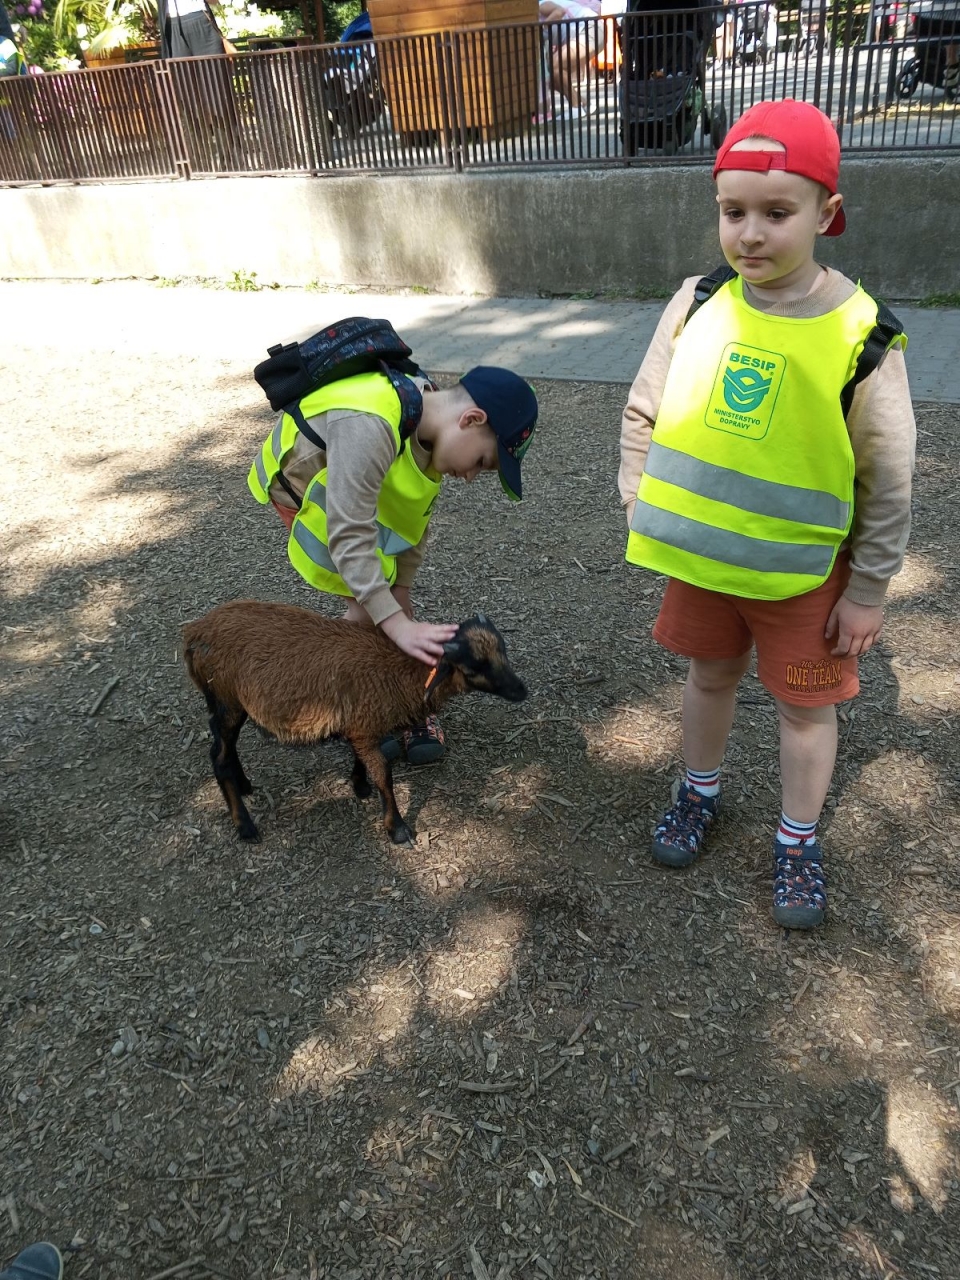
421	640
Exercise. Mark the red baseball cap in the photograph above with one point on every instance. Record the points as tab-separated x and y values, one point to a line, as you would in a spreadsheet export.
810	144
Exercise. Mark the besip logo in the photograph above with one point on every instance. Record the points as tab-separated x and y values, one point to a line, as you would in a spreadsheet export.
744	388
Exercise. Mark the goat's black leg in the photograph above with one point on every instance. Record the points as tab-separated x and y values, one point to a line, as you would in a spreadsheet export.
244	785
359	780
225	725
378	771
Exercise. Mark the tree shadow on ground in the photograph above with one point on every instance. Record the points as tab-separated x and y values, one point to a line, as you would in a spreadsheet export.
259	1056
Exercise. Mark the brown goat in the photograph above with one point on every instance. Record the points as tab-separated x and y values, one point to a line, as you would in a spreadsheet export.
304	678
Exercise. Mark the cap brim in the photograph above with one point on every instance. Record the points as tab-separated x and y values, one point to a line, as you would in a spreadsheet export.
509	469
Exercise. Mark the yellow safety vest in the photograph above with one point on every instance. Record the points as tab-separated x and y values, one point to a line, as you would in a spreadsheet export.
749	483
406	496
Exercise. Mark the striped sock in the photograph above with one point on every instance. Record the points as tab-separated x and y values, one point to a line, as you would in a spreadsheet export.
790	832
706	781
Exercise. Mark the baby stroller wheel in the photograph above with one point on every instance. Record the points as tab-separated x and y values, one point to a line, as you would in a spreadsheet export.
908	79
717	124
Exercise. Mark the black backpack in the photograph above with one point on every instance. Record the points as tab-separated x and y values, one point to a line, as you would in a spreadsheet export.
883	333
341	350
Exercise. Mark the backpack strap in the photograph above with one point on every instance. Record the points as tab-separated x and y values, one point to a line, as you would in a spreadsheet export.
708	286
411	405
885	333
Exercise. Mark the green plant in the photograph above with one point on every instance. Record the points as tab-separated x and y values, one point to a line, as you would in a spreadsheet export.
337	17
103	25
244	282
940	300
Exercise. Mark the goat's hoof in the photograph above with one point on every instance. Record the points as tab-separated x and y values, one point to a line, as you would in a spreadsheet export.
362	790
247	831
401	834
246	787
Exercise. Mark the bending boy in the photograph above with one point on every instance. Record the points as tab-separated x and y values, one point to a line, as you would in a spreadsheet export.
357	510
766	459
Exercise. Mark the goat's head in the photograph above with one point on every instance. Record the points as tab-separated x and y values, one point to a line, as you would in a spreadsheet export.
477	652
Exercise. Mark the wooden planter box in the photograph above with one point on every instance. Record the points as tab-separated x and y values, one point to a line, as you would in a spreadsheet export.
491	85
119	57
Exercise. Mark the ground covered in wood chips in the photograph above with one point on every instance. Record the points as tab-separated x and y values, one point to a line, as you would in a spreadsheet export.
517	1049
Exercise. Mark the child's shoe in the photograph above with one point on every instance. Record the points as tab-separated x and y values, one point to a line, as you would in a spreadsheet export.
390	748
799	887
36	1262
424	743
681	830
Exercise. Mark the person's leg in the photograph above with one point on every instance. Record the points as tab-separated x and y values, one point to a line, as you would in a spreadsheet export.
951	72
806	680
707	628
565	75
709	702
808	752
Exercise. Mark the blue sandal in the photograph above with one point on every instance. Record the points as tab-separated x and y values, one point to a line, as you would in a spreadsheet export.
799	886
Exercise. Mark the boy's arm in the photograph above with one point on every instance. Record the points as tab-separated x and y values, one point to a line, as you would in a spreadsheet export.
360	451
643	402
883	436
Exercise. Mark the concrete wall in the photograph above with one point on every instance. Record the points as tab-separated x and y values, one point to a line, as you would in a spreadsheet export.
507	232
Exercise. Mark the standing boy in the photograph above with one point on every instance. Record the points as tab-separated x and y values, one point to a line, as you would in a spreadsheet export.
766	459
357	509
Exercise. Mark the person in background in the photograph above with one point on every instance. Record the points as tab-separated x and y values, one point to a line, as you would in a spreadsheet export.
188	29
951	72
570	54
11	59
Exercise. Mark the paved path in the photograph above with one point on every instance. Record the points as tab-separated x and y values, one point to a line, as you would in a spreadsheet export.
539	338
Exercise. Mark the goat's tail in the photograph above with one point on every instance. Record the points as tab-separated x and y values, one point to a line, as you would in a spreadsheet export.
194	651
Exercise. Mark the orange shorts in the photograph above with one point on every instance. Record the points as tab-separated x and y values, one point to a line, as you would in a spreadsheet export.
794	661
286	514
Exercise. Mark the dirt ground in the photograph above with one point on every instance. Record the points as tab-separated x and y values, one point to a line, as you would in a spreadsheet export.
518	1049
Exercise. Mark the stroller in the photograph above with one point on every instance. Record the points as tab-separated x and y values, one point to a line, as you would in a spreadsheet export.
756	39
932	32
352	88
663	76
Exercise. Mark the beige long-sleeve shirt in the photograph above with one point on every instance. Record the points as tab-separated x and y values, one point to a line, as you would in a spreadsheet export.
880	422
361	448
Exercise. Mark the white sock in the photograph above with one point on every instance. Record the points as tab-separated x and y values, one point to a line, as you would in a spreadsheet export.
704	781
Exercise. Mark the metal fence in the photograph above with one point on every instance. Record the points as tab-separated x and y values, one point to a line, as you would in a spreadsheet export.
645	88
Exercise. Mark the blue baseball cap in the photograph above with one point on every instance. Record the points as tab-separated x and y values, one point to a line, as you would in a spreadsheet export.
511	409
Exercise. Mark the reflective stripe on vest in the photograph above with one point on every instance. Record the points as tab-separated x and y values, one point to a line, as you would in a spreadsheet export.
270	458
390	543
748	485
